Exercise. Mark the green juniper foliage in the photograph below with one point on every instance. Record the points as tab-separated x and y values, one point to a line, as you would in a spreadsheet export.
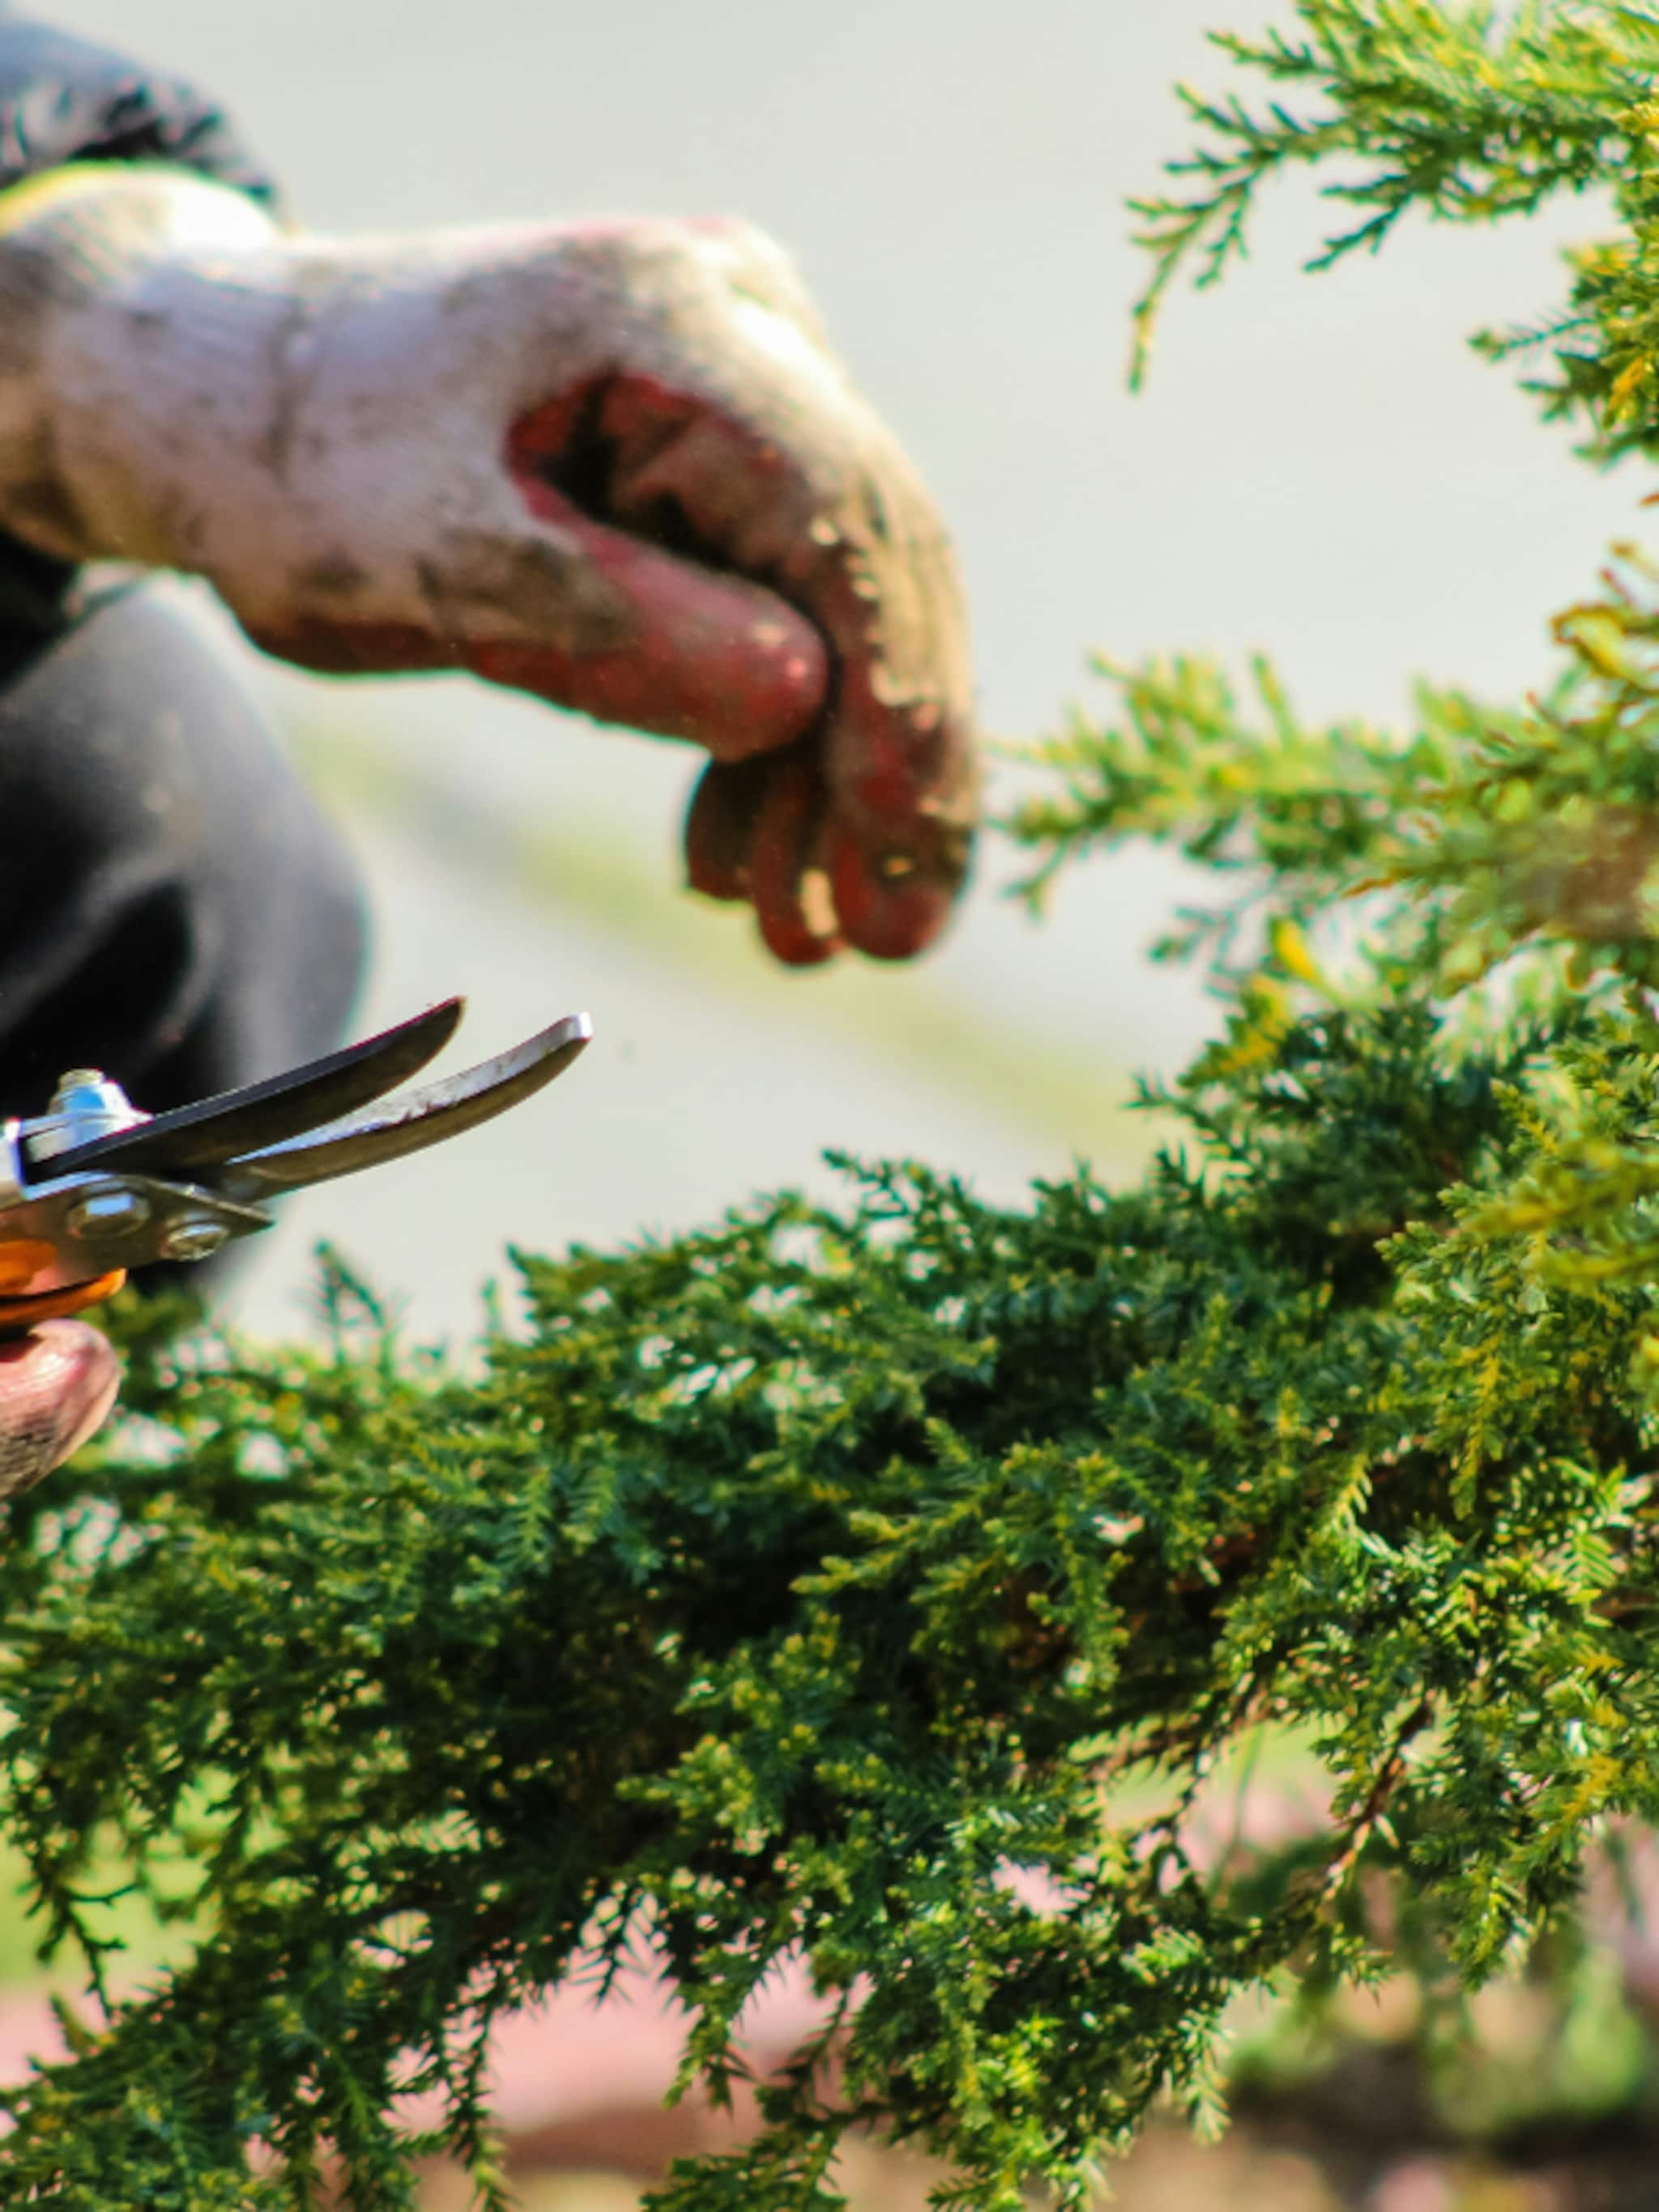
886	1586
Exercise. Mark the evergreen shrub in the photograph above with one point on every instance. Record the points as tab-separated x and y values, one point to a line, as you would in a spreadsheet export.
886	1585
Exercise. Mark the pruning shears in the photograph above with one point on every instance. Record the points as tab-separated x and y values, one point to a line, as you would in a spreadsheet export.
94	1187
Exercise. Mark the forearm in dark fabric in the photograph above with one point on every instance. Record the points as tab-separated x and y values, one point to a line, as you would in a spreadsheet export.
63	99
174	908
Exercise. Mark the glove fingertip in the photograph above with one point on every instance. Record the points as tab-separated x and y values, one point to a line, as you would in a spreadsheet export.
717	827
789	937
782	879
887	918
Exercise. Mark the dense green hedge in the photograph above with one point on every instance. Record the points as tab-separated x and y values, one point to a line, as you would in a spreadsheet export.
885	1585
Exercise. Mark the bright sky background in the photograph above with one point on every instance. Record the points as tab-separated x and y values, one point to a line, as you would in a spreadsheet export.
1319	467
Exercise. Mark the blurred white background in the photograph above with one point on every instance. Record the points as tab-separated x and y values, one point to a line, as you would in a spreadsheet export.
1319	467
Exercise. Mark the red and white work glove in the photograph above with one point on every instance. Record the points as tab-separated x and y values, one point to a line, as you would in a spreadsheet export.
613	464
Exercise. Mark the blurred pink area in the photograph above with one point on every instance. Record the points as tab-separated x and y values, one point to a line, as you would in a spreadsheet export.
578	2085
576	2082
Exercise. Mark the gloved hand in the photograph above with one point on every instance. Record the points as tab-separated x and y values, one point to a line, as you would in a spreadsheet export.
56	1385
612	464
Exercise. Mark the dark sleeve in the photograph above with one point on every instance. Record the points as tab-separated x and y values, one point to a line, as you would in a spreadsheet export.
63	99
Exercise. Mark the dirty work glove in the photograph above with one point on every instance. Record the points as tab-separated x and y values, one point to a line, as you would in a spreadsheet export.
56	1385
613	464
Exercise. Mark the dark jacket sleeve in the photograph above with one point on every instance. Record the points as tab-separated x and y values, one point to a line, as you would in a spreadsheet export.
63	99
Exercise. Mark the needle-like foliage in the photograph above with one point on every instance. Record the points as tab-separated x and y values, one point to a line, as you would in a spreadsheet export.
1468	113
883	1587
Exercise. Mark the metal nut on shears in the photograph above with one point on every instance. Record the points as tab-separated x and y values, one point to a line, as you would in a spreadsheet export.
194	1239
116	1211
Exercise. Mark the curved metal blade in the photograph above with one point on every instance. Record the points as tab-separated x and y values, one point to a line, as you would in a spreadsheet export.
413	1121
238	1121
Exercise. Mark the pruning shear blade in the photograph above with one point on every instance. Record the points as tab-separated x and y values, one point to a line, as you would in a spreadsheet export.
222	1128
409	1123
94	1186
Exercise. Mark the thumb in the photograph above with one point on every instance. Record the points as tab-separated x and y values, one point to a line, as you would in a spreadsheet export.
57	1386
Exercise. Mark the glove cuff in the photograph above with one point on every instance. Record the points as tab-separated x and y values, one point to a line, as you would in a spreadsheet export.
128	363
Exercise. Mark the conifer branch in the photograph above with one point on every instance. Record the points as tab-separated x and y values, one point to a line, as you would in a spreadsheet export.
885	1584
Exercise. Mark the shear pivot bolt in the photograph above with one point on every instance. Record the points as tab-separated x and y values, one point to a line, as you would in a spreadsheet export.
108	1213
194	1240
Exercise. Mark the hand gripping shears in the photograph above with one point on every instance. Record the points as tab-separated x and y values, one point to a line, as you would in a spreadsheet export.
93	1187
